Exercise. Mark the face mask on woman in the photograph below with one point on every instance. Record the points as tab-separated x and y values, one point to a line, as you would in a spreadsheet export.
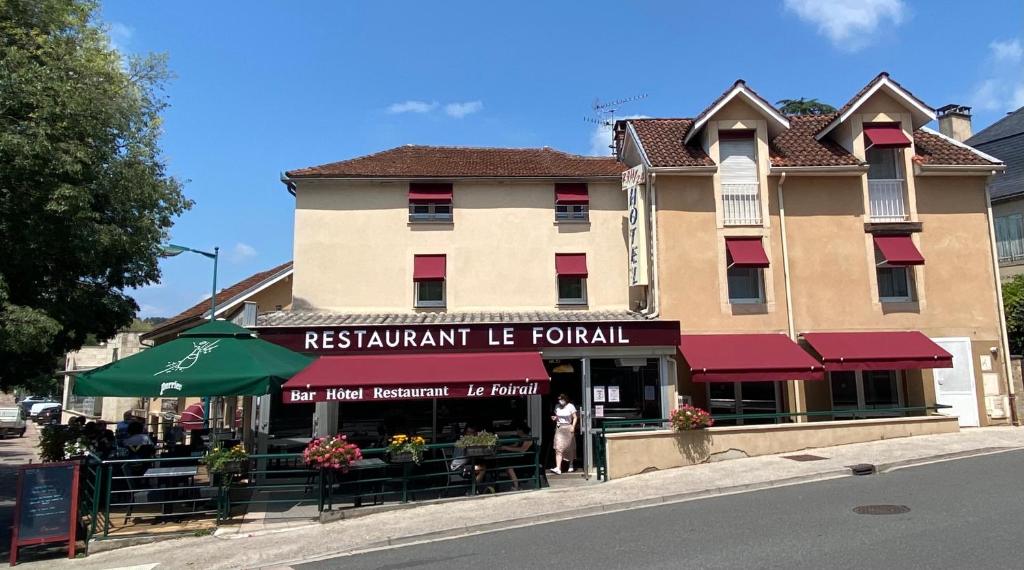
562	402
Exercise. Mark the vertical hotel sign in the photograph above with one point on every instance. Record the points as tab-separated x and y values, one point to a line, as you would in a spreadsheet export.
636	207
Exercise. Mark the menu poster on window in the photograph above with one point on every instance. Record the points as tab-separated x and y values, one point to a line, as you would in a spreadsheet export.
650	394
613	394
599	393
598	411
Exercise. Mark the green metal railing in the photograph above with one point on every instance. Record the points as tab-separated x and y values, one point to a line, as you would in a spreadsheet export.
623	426
117	488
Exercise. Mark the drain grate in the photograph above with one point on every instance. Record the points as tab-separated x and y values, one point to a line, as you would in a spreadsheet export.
881	509
805	457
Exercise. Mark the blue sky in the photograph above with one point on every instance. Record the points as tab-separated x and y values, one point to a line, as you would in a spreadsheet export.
264	87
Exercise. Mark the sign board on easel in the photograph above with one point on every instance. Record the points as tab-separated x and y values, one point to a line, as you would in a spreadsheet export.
46	508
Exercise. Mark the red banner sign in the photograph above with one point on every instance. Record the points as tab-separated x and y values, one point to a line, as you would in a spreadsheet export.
472	337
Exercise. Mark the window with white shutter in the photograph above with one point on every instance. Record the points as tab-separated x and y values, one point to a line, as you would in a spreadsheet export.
737	171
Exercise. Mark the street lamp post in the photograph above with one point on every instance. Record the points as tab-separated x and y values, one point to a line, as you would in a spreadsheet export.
171	250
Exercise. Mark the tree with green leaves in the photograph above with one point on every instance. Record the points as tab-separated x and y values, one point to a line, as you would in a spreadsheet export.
1013	305
804	106
85	197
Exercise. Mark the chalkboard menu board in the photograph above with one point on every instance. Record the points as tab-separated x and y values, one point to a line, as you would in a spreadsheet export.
47	506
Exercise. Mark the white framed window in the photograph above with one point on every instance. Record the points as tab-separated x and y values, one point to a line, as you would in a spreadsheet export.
430	211
895	282
572	290
744	398
741	196
885	185
746	285
430	293
572	212
1010	237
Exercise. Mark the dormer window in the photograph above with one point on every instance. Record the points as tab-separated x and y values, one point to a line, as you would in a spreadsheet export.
737	168
884	156
572	202
430	202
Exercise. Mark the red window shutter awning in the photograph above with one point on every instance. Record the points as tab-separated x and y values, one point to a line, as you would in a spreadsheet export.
886	136
577	194
418	377
899	250
428	193
899	350
429	267
746	252
571	264
747	358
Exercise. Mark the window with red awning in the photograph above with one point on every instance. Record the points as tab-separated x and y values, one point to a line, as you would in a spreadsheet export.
572	193
899	250
885	135
427	193
429	267
746	252
571	264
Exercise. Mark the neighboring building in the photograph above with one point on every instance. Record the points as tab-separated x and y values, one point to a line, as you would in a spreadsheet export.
438	263
860	235
111	409
1005	139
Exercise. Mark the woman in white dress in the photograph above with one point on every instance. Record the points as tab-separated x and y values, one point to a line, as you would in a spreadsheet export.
566	419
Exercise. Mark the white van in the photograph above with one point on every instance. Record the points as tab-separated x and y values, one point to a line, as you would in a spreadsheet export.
11	422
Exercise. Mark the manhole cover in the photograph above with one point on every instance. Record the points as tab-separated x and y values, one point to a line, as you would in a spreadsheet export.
881	509
804	457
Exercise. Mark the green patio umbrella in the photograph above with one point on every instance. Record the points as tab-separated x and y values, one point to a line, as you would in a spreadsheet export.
218	358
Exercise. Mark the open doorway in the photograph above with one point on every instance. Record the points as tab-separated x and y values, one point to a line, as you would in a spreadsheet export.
566	378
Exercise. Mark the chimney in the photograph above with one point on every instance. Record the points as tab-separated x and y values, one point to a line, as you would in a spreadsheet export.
955	122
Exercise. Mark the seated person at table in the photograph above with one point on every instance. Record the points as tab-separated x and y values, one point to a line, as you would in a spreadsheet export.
136	439
121	429
525	444
460	463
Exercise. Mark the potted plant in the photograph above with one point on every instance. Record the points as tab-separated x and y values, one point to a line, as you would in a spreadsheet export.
689	418
482	443
224	464
332	452
406	449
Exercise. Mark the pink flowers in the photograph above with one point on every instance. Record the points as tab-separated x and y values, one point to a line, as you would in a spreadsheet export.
331	452
689	417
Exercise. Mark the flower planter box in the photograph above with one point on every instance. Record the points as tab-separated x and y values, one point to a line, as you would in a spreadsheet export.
479	450
404	457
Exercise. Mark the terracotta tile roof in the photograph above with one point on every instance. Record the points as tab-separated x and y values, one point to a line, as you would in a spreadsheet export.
935	150
414	161
199	310
798	147
326	318
662	140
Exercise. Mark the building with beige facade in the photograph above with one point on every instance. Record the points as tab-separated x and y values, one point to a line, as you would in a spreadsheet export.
863	238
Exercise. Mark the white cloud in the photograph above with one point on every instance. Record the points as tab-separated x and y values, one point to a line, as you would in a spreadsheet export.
1008	50
848	24
601	137
411	107
120	35
459	110
242	252
1003	88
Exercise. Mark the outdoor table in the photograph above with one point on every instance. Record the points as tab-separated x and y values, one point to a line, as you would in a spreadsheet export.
166	475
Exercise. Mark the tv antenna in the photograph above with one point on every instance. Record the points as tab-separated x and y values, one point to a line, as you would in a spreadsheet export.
604	111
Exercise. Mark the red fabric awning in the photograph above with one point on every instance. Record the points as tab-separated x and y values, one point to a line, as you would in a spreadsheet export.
886	136
878	351
571	264
747	358
192	418
899	250
426	193
418	377
566	193
429	267
746	252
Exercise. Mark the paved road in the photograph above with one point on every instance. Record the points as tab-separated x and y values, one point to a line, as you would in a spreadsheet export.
13	452
966	513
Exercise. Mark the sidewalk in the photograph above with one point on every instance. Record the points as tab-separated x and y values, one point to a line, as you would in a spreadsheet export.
289	543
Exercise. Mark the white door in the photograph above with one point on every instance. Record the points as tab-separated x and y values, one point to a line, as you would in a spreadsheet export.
955	386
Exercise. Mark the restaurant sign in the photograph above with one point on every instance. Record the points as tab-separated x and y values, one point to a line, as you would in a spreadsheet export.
418	392
472	337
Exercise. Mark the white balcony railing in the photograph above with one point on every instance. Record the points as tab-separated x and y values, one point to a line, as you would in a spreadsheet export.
886	199
741	204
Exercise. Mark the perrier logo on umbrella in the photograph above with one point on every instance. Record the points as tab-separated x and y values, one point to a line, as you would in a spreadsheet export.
217	358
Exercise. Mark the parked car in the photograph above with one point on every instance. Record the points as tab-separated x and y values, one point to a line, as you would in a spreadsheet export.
11	422
49	415
35	409
29	401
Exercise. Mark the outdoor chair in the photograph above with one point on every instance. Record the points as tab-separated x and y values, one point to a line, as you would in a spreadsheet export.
456	478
